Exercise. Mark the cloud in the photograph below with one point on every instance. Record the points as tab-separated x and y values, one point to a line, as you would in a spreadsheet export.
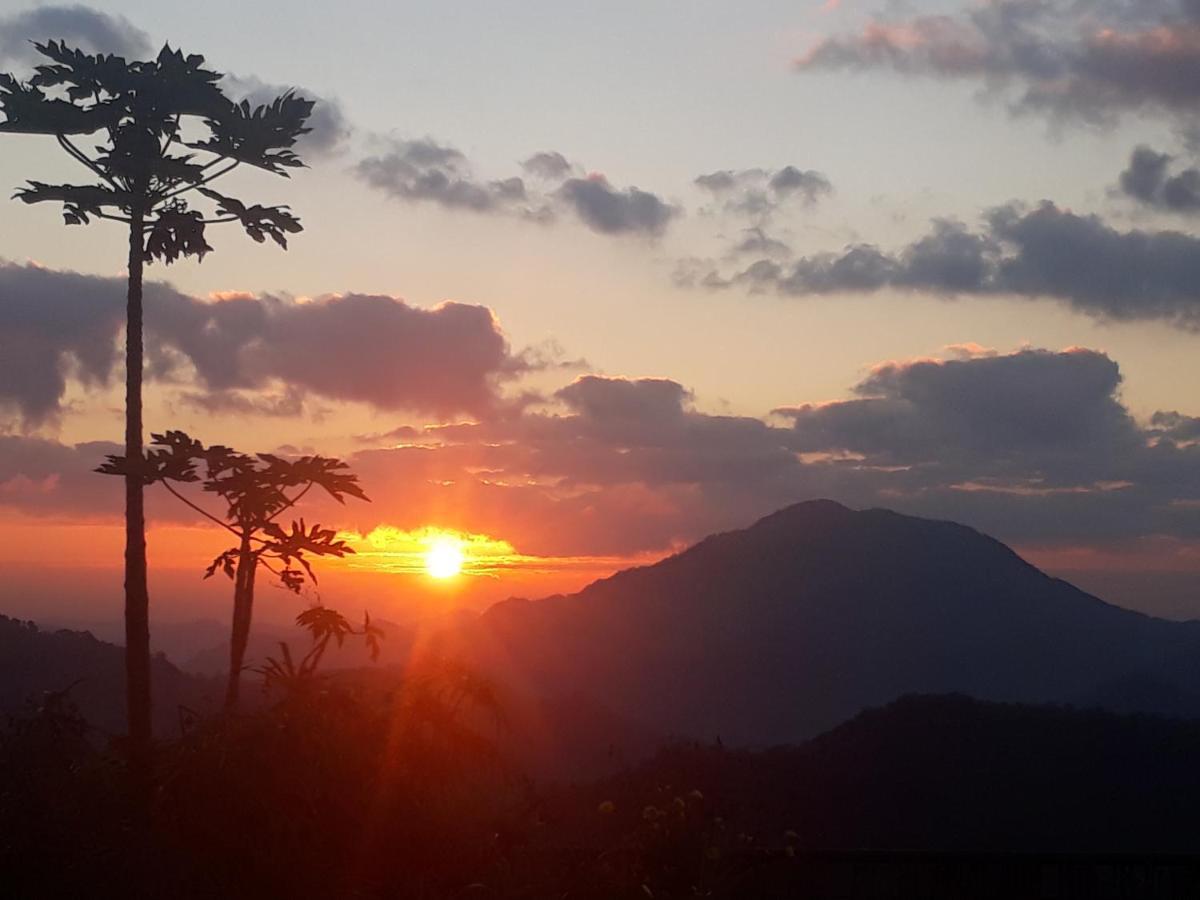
549	165
1053	417
1091	62
54	327
330	127
288	403
1147	180
758	194
1035	446
616	211
78	25
375	349
426	171
1175	427
1044	252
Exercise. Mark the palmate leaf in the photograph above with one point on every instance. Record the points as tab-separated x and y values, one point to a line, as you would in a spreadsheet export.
324	623
27	110
260	222
182	84
173	457
226	562
260	136
79	201
85	75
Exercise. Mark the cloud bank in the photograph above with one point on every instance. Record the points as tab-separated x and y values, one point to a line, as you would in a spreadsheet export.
375	349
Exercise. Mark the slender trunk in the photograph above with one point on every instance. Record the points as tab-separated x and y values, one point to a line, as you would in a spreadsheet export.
137	595
243	607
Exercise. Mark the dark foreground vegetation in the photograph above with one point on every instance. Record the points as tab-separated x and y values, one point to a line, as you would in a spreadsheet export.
346	787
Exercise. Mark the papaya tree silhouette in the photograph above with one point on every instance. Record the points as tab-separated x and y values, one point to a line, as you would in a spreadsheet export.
256	490
146	114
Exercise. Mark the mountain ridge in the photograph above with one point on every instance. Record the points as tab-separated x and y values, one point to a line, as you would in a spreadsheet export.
781	629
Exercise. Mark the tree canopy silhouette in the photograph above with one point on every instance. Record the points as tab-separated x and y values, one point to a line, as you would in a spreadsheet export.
256	490
166	132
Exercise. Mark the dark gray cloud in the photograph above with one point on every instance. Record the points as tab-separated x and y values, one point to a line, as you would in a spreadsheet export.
1034	414
78	25
330	128
54	327
59	326
1044	252
424	170
1176	427
616	211
1148	180
1089	61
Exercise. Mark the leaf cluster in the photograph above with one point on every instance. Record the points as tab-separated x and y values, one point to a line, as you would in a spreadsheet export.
143	113
325	625
255	491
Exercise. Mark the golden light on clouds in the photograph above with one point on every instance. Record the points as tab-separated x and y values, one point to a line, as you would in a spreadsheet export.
443	553
437	552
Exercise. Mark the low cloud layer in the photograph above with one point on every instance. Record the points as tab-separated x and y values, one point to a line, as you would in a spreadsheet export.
1044	252
1034	446
1089	62
61	326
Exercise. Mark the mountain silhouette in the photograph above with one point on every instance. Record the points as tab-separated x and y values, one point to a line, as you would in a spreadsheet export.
35	661
784	629
953	774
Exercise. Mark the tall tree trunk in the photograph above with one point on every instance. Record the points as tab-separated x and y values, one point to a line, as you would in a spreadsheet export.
243	607
137	595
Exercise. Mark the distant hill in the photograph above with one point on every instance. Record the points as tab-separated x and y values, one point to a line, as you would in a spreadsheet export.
779	631
951	773
33	661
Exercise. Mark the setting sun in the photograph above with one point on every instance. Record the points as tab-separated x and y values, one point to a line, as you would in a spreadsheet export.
444	559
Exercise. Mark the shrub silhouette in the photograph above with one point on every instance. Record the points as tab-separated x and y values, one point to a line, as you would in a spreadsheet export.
140	111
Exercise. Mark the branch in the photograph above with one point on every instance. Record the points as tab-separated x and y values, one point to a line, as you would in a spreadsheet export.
74	151
199	509
191	187
290	503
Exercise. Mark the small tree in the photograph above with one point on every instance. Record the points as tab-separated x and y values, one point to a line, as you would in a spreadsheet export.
142	111
256	490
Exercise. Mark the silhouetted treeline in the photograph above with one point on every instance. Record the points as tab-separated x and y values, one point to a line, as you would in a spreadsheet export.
364	787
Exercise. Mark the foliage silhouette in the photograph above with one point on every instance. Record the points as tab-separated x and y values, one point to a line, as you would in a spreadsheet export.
255	493
324	625
145	113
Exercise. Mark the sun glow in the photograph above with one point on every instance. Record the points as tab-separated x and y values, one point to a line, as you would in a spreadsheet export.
444	558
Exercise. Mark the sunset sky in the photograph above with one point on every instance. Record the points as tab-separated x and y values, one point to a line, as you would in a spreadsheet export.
582	283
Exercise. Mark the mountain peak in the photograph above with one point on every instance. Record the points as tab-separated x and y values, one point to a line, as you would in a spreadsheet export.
775	631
